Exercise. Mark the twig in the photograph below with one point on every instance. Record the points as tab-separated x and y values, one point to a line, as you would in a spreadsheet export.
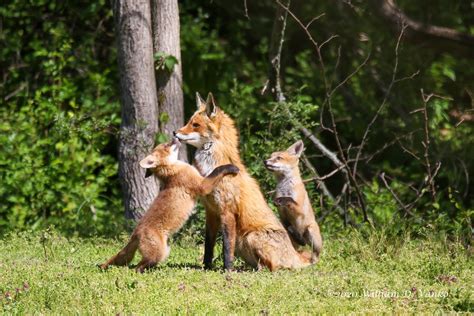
326	176
246	10
426	144
323	149
386	145
314	19
421	191
408	151
276	45
20	88
384	101
347	172
317	47
407	211
323	187
350	177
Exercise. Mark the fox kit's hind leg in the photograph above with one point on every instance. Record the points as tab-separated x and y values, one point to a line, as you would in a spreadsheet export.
288	205
154	249
312	237
125	256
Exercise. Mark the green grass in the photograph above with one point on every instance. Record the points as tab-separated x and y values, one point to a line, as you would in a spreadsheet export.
55	275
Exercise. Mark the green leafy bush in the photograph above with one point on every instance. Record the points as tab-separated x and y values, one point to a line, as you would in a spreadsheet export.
56	166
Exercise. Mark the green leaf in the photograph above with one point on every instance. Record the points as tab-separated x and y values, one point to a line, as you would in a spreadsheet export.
164	117
161	138
170	62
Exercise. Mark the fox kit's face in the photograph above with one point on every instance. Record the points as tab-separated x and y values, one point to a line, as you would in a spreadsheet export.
163	155
201	126
283	162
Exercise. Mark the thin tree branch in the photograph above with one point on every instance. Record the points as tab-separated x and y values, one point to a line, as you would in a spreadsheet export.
276	46
437	38
382	105
349	176
407	211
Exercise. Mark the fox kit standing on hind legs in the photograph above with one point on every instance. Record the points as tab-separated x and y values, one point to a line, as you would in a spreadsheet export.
292	199
181	185
249	226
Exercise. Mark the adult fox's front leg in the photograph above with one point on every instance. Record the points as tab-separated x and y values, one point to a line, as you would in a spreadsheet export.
229	236
212	227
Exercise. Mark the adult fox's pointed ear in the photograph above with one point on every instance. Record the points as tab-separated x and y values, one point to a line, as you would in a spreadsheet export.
199	101
211	107
296	149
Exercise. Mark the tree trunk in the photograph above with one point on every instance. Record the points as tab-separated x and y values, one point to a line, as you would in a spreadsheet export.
165	19
139	103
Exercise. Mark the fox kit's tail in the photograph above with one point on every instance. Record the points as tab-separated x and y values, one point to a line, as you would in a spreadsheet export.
125	256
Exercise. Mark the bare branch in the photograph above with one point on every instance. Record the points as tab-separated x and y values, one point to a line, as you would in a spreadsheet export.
382	105
407	211
323	149
246	10
326	176
276	45
349	176
426	144
441	39
323	187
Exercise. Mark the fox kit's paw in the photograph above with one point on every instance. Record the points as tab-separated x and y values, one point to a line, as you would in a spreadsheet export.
103	266
314	258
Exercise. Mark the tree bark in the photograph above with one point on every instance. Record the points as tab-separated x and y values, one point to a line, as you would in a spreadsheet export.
166	39
441	39
139	103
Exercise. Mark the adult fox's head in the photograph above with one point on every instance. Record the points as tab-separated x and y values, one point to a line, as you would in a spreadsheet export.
208	124
283	162
163	158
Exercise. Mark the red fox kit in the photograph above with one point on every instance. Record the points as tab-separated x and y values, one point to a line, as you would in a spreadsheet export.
236	204
292	199
181	185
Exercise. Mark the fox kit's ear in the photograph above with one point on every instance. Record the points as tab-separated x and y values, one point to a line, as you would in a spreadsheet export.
199	101
148	162
211	107
296	149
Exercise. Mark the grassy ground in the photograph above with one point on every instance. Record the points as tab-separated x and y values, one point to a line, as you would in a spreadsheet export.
47	273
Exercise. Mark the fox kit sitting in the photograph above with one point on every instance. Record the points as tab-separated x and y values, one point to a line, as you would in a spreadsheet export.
181	185
292	199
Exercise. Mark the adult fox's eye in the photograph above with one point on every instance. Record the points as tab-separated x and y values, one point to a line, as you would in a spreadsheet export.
196	125
278	158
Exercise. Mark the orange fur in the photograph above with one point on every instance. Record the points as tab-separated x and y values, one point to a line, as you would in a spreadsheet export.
181	184
249	226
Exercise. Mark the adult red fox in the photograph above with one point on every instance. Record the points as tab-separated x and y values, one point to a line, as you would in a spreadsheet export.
236	204
181	184
292	199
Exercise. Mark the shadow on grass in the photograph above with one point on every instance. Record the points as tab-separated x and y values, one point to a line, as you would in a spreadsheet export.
181	266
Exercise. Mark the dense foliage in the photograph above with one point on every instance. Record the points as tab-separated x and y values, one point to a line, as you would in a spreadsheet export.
59	111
